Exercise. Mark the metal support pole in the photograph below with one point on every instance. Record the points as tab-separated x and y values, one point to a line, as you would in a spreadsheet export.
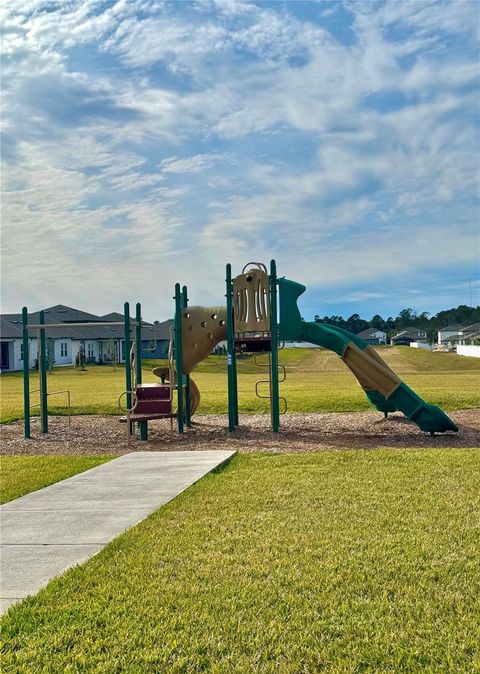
235	385
142	425
42	366
128	345
26	372
274	402
188	402
231	374
178	355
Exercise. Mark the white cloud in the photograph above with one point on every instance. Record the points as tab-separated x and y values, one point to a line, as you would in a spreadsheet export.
278	125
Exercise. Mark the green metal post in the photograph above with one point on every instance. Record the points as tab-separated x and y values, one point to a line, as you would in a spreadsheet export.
230	350
188	402
178	355
26	373
142	425
235	385
274	392
128	345
42	365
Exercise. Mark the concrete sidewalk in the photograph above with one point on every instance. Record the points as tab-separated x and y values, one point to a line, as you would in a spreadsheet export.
47	531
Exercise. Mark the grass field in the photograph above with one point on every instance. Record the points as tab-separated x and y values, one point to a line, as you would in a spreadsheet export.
338	562
317	381
22	474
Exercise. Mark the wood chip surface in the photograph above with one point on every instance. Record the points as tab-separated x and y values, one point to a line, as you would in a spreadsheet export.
298	433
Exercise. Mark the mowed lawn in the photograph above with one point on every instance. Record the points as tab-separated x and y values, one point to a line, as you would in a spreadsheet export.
22	474
338	562
317	381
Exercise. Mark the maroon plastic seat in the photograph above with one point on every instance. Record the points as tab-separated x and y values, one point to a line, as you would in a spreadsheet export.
153	392
153	402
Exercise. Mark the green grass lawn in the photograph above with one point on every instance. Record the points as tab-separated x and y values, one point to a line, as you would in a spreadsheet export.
20	475
317	381
339	562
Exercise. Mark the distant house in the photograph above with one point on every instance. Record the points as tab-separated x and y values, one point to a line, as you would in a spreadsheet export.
101	344
444	334
408	335
11	344
373	336
155	336
469	334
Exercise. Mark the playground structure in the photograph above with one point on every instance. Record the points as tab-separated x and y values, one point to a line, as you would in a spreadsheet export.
260	315
133	370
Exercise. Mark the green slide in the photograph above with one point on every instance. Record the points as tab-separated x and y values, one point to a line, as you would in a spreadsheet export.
382	386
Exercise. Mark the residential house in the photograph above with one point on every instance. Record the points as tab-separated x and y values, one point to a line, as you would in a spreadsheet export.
101	344
155	336
444	334
11	344
468	343
373	336
408	335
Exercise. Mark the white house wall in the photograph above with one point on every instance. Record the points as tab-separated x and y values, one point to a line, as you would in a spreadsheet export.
58	358
73	347
92	349
444	336
15	352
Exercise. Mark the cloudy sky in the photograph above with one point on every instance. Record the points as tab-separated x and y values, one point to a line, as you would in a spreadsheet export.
146	142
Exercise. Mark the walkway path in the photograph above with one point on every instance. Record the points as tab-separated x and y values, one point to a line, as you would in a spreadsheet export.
47	531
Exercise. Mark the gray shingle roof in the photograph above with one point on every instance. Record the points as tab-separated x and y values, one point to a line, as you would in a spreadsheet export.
11	325
451	328
369	332
10	329
411	333
114	316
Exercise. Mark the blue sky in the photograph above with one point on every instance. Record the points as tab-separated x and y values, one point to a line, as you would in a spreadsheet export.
149	142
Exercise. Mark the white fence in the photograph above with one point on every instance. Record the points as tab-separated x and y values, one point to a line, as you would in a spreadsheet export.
421	345
468	350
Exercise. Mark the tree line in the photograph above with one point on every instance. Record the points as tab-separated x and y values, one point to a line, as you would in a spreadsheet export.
461	315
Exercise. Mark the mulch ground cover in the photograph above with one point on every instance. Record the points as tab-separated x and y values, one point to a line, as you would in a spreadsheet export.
298	433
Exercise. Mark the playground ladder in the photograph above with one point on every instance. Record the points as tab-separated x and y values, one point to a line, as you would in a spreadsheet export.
268	381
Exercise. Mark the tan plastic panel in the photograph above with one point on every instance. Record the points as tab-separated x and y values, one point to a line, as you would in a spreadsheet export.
251	301
372	373
202	329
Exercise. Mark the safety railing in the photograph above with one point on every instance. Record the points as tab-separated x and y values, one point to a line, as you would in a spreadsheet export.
54	393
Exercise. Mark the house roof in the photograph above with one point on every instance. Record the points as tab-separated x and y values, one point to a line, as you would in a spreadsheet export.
370	332
414	330
150	331
10	329
410	333
160	330
471	328
451	328
11	325
114	316
63	314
